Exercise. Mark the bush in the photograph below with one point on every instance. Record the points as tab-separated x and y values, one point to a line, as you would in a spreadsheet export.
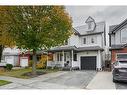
41	65
9	67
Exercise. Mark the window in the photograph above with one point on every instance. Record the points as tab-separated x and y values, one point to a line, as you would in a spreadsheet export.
124	35
75	57
92	40
59	56
84	40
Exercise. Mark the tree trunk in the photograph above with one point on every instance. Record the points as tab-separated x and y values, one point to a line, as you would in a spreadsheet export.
34	62
1	51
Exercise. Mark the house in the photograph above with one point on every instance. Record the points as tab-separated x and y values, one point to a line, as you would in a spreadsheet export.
118	41
17	57
84	49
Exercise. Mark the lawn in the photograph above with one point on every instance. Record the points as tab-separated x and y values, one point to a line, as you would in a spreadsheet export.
3	82
19	73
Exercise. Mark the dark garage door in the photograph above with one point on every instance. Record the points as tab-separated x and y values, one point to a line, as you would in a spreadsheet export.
88	63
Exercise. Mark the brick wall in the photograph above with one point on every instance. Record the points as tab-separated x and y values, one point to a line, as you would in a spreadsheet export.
114	52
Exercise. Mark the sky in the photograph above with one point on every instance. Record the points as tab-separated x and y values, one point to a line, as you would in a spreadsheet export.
110	14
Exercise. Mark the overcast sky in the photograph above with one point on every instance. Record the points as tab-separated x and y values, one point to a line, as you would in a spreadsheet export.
110	14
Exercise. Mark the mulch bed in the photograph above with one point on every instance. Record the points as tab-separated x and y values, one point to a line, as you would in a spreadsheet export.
38	73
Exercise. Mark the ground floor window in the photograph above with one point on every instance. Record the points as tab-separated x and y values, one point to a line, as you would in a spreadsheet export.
59	56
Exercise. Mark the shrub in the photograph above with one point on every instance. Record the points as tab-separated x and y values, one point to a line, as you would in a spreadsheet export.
9	67
41	65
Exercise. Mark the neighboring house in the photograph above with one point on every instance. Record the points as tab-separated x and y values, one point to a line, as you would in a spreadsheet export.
85	48
118	41
17	57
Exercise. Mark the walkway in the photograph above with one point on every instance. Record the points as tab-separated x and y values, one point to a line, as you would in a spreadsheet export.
102	80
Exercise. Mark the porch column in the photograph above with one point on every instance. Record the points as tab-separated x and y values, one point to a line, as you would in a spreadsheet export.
72	57
99	60
63	58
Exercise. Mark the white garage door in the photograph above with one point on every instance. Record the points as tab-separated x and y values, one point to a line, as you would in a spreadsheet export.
23	61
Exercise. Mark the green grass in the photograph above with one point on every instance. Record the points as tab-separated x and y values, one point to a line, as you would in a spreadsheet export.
3	82
19	72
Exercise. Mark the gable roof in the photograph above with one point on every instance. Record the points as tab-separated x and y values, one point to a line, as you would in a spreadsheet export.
89	19
82	30
114	28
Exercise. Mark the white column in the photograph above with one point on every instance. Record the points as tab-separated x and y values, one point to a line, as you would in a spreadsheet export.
99	60
63	58
72	57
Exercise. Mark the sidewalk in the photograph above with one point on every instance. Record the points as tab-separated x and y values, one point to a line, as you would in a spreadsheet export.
103	80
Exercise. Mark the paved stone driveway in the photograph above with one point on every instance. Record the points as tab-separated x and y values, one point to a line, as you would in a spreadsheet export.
58	80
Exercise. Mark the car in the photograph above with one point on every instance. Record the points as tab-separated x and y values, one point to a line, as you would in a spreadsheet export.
120	71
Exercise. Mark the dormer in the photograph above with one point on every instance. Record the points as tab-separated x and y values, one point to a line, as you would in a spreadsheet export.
90	24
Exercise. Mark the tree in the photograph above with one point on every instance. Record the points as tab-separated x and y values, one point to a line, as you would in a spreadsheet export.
40	27
6	39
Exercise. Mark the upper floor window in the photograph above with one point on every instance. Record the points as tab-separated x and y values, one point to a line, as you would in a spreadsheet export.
92	40
84	40
124	35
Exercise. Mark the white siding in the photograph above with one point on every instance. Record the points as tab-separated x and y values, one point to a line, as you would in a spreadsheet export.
73	40
97	38
117	37
112	39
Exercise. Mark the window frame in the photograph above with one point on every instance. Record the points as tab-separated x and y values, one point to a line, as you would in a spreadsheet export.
84	40
92	40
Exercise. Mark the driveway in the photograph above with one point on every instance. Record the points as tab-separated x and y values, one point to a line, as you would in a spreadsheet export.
79	79
58	80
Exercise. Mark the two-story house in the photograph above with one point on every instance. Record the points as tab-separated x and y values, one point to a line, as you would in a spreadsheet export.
118	41
85	48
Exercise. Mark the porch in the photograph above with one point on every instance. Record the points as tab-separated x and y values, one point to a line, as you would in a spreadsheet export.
64	59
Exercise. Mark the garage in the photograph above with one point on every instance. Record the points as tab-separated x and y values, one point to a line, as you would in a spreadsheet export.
88	62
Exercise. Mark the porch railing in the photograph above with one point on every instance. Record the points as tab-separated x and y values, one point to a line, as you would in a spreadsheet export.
55	64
